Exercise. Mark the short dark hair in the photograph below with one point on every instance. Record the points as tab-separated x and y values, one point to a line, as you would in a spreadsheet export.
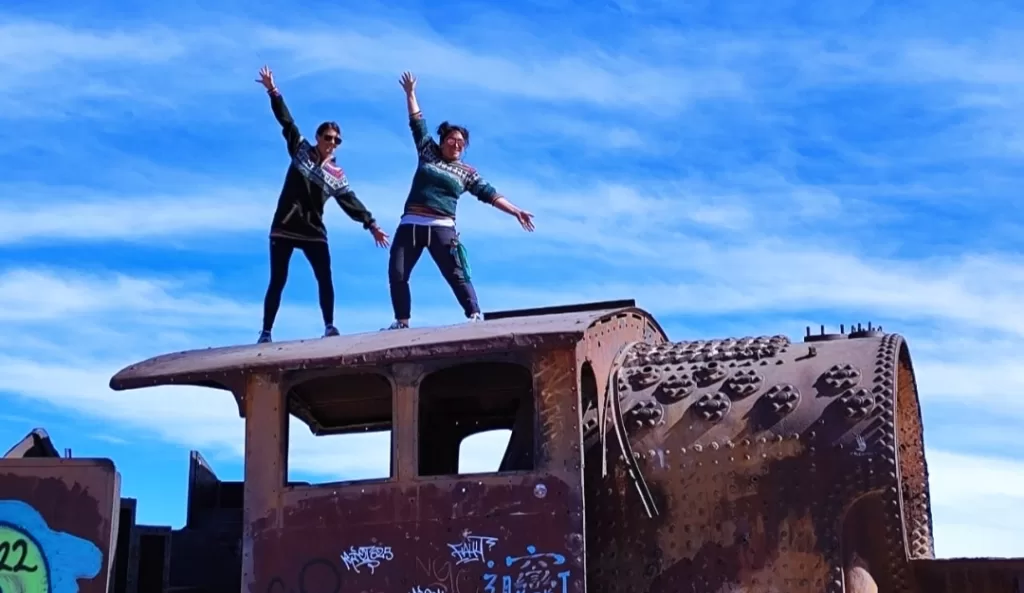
445	129
328	125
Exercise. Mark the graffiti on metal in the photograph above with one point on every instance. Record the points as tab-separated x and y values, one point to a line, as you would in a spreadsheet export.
472	548
37	559
439	574
369	557
277	584
533	572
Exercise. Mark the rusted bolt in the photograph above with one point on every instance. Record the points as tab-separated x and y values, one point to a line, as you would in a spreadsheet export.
712	407
841	376
676	386
783	399
710	373
744	383
857	404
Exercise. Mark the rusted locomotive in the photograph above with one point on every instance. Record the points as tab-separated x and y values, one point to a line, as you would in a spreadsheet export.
635	464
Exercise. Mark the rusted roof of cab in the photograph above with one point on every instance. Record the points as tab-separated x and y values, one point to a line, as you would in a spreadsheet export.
200	366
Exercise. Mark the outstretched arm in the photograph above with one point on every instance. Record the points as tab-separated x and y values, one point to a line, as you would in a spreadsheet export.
525	218
291	133
354	208
420	133
486	193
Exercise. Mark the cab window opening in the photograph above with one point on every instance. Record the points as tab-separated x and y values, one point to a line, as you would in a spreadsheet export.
353	417
474	404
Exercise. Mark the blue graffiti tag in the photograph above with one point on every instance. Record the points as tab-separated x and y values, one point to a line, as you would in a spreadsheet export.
37	559
531	573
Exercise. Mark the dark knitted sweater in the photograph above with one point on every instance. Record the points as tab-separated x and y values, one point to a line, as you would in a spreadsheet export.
308	185
438	183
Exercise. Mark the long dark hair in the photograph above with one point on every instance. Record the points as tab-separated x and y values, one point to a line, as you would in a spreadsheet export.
445	129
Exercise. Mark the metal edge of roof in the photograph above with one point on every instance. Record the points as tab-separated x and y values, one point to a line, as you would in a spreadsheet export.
134	376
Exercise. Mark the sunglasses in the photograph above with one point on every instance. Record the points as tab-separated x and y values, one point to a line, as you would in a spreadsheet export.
332	138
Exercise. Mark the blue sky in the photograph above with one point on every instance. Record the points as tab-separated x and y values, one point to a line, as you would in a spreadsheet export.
738	168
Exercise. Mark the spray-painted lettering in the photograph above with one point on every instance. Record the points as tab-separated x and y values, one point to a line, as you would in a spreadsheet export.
440	573
428	590
472	548
532	573
369	557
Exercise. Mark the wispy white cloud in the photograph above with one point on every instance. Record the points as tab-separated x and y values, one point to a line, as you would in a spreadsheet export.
655	72
134	218
975	504
45	56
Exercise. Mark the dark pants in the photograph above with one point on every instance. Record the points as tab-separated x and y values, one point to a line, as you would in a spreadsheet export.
319	257
408	244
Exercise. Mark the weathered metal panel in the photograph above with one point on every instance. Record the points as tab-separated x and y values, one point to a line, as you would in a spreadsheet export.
35	444
756	450
595	357
556	389
125	567
514	531
970	575
56	523
153	545
222	367
456	536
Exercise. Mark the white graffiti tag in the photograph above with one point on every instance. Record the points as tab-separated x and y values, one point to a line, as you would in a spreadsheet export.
428	590
472	548
366	556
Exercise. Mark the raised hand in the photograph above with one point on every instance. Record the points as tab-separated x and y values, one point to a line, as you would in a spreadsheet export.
408	82
525	220
266	78
379	237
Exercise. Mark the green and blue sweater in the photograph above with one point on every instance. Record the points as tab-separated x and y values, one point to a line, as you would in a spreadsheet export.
308	185
438	183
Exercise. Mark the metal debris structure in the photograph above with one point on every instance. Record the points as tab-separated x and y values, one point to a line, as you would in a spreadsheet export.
634	465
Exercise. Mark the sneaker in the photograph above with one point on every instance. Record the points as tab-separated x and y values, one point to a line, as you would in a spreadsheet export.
264	337
397	325
330	331
475	317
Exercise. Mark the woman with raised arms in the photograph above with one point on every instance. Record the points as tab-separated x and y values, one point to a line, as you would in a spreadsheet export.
428	220
313	178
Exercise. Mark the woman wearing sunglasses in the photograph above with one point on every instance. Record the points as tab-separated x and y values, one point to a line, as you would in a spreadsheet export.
313	178
429	217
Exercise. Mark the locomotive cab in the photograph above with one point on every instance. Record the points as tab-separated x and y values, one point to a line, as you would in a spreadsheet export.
425	527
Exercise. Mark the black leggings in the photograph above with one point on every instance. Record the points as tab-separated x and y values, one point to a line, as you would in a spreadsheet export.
319	257
406	249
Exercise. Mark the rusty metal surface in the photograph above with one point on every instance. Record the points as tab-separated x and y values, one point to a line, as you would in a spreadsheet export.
771	466
209	367
971	575
464	536
56	523
35	444
514	531
758	449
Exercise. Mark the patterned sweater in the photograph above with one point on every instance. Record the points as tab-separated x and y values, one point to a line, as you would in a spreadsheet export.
438	183
308	185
